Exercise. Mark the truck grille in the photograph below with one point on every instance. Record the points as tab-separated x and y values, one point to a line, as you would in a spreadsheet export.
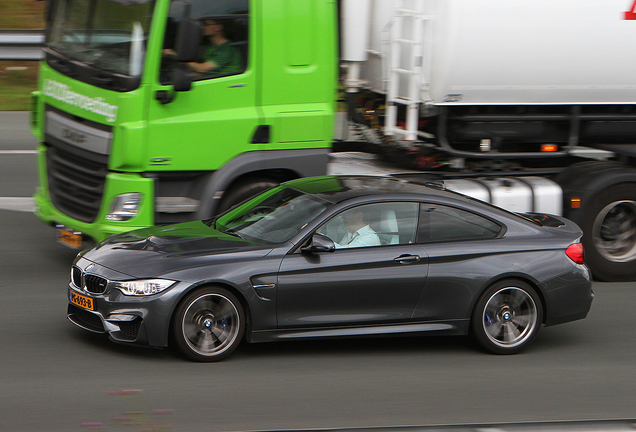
76	184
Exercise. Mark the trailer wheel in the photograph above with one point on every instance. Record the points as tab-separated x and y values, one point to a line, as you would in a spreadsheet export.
244	190
609	221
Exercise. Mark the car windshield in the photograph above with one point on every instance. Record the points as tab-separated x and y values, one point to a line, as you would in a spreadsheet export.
108	35
273	217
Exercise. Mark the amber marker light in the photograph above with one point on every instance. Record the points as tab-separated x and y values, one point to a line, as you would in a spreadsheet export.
575	203
549	148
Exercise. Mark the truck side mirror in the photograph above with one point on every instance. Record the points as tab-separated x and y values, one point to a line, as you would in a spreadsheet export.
187	41
319	243
182	79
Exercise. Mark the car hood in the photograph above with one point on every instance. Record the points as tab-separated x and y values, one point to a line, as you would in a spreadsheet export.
156	251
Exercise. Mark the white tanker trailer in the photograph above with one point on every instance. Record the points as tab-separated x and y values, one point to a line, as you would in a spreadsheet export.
529	104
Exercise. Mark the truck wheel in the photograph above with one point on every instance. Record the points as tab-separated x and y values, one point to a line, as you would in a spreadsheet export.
244	190
609	222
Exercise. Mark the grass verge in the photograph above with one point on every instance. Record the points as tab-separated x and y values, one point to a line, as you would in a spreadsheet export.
19	79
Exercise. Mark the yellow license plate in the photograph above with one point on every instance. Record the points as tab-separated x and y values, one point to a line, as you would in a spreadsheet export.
80	300
68	238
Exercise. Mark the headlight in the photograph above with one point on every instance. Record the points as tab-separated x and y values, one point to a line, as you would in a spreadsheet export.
144	287
123	207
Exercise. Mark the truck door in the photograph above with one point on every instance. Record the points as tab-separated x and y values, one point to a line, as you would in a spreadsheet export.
203	128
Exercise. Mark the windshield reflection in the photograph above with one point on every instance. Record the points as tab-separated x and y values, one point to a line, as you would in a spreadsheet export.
106	35
273	217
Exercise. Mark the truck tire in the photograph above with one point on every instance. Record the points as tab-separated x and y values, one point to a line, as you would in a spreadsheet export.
607	216
243	190
609	224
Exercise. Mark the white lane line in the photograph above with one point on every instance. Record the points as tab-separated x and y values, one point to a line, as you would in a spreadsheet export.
18	152
21	204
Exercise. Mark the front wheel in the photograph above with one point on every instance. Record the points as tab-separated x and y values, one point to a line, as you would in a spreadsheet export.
507	317
209	324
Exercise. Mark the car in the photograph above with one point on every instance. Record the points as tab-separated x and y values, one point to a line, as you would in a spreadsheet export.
335	256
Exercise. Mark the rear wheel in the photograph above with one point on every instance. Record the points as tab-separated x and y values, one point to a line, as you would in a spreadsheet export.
607	194
507	317
209	324
610	226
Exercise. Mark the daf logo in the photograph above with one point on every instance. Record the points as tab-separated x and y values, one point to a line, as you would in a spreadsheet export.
73	136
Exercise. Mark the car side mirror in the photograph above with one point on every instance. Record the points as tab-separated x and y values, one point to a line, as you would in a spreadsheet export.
319	243
187	41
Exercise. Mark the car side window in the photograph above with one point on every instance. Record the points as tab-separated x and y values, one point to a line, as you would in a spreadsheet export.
378	224
442	223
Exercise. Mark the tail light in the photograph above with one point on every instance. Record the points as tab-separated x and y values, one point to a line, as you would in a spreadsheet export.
575	253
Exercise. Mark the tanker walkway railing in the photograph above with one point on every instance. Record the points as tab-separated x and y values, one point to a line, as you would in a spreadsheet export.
21	44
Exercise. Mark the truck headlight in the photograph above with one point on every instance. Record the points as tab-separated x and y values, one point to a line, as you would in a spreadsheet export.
144	287
123	207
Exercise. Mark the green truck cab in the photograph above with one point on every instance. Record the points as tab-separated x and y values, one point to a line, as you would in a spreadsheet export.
132	134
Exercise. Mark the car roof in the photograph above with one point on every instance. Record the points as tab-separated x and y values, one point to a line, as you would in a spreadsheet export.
337	189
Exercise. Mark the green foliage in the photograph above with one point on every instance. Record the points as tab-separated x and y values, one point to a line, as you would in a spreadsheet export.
17	83
22	14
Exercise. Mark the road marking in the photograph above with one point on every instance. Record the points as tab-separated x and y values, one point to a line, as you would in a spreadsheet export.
18	151
21	204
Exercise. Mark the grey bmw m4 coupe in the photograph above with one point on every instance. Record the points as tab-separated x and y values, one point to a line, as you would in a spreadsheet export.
335	256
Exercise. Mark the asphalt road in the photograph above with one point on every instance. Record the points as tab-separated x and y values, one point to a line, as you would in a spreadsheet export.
56	377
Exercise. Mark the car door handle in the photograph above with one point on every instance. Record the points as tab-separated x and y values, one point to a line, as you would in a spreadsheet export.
407	259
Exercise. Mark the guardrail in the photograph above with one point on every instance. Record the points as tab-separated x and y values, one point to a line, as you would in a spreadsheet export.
21	44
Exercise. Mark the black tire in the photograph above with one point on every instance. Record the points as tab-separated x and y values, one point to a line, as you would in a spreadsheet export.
208	324
244	190
507	317
607	191
609	224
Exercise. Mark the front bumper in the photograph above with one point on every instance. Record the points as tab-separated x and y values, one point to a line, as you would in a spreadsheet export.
137	320
100	229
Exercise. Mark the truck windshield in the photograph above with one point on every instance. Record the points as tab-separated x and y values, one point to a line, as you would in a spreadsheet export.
107	35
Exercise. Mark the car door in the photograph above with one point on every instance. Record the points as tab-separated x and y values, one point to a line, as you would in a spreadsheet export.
378	280
205	127
465	251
